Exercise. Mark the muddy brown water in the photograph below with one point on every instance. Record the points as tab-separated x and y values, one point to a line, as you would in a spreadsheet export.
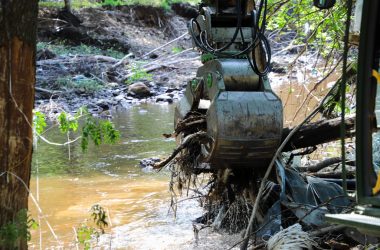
137	200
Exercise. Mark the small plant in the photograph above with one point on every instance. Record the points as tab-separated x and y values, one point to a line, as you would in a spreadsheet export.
88	85
99	216
39	122
139	74
86	234
61	48
67	123
18	229
177	50
113	2
99	131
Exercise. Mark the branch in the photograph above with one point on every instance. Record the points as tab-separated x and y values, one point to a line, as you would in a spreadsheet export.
320	165
317	133
183	145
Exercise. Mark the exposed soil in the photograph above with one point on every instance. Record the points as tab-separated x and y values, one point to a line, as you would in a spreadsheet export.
99	81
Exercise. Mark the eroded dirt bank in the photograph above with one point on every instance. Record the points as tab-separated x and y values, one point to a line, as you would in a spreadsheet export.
111	57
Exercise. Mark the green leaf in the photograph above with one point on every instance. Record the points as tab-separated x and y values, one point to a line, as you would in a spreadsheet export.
39	122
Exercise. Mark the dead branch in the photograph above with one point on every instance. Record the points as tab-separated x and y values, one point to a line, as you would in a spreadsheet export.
121	61
166	44
321	165
324	230
48	91
333	175
184	144
317	133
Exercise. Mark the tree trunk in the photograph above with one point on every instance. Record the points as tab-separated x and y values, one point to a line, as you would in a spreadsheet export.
68	5
18	29
317	133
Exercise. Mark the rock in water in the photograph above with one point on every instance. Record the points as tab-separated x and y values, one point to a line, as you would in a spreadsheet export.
147	162
164	98
139	89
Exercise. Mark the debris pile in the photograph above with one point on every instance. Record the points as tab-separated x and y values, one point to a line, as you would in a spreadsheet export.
294	199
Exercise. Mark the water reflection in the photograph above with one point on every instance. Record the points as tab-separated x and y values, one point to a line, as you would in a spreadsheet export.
137	201
106	175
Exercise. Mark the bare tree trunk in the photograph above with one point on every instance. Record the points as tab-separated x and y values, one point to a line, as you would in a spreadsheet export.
317	133
68	5
18	29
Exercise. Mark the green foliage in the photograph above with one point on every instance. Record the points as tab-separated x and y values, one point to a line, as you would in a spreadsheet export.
139	74
77	4
62	49
18	229
176	50
39	122
85	235
321	29
338	104
98	131
67	123
88	85
99	216
113	2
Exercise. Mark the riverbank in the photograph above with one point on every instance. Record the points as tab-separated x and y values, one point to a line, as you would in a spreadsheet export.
106	58
116	57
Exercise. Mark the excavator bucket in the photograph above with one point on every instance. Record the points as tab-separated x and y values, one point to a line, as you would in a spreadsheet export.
244	117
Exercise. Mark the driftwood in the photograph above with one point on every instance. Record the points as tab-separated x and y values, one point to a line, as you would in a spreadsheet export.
309	135
317	133
324	164
321	165
185	143
47	91
334	175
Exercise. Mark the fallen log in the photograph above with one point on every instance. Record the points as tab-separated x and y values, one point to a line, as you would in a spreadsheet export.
321	165
317	133
334	175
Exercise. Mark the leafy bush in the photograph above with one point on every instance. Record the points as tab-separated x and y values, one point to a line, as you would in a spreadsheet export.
321	30
88	85
18	229
62	49
139	74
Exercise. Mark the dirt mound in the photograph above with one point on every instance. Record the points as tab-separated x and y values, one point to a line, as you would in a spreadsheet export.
185	10
136	29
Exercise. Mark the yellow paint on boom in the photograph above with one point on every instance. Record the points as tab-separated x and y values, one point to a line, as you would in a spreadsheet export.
376	75
376	189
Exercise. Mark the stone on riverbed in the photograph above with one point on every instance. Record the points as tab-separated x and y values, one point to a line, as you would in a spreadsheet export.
139	89
164	98
149	162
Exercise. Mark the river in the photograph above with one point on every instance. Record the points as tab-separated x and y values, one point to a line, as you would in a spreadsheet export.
137	201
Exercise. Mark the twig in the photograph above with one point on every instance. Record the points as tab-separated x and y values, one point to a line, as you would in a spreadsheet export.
333	175
121	61
35	203
319	206
184	144
269	170
324	230
320	165
166	44
76	238
51	92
